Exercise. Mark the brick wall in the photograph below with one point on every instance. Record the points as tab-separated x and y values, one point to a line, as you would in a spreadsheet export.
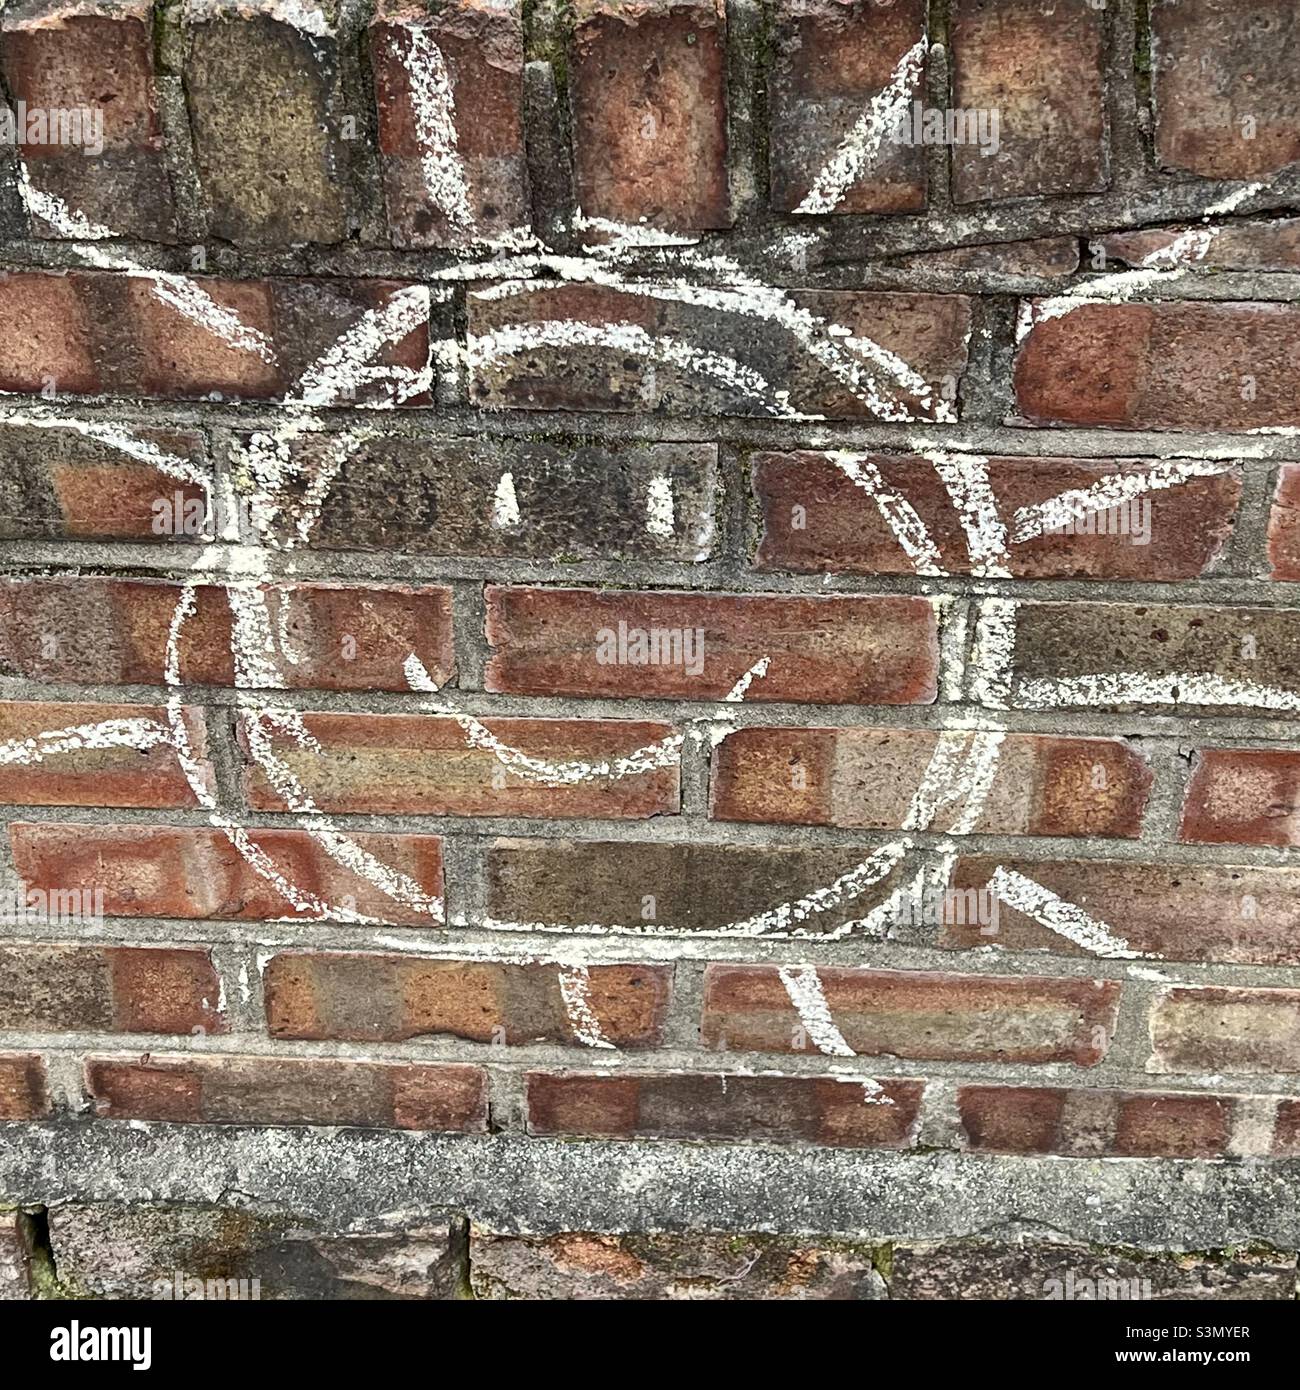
666	587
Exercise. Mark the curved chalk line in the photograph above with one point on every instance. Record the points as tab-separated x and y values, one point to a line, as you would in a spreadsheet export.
951	776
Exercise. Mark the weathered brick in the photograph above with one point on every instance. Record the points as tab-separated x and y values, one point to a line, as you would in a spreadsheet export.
94	332
1016	1119
1205	912
45	334
1043	258
582	1266
687	1105
716	352
1041	68
1225	1030
868	778
74	759
236	1090
109	989
140	1250
832	60
817	516
1059	1272
534	500
1153	656
1286	1130
1020	1119
377	998
316	325
648	88
95	60
1162	366
23	1093
1268	246
460	67
1173	1126
328	636
1243	796
170	353
429	765
1284	525
270	160
862	650
1224	80
635	887
15	1257
918	1016
60	483
173	871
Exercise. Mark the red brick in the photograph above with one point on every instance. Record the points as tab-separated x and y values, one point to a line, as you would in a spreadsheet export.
23	1092
314	315
271	161
1162	652
376	998
1042	69
1243	796
91	332
1224	78
93	58
479	45
179	358
867	778
173	871
648	87
1173	1126
817	518
327	636
974	1018
1162	366
1225	1030
429	765
238	1090
862	650
58	483
1200	912
695	1105
109	989
46	341
1284	525
1267	246
82	775
833	58
645	349
1012	1119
